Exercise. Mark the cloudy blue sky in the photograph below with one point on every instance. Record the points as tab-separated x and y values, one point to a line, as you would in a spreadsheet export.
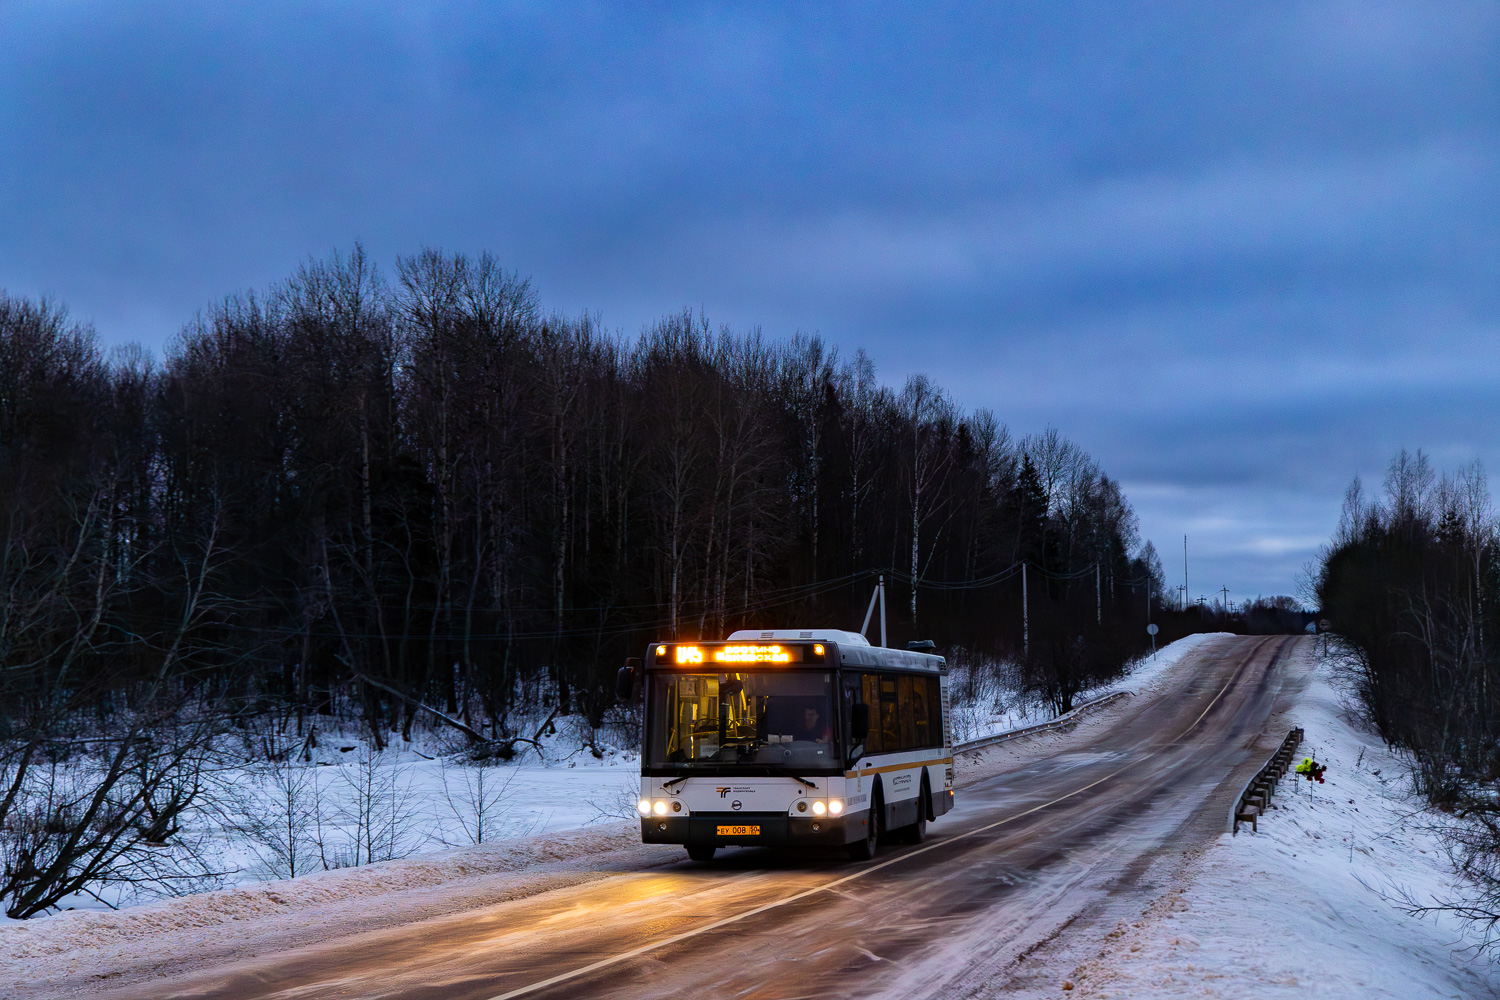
1239	252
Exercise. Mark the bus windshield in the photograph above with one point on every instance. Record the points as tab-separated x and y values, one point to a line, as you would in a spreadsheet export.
781	718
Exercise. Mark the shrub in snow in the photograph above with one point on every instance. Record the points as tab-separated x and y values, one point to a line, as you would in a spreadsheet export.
374	821
980	690
476	799
280	817
103	818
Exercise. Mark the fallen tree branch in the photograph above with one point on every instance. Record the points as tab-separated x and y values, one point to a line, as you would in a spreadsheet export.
543	728
471	734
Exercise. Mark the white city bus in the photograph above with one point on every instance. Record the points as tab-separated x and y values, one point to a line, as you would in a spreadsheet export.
790	737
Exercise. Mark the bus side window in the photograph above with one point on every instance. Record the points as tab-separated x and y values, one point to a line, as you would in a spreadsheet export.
871	686
890	718
935	711
921	727
907	702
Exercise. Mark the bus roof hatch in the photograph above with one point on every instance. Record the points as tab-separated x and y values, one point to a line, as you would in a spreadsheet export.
816	634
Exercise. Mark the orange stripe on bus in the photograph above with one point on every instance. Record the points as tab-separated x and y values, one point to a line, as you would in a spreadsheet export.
897	767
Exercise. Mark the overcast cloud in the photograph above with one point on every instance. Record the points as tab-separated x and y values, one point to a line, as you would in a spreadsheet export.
1238	254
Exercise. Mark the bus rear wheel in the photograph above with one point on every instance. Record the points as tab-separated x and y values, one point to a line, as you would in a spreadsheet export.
864	850
701	852
917	831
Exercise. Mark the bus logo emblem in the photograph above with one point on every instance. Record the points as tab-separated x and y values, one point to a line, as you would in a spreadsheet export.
723	792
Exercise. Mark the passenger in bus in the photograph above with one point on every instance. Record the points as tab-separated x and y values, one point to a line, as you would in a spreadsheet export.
814	729
920	727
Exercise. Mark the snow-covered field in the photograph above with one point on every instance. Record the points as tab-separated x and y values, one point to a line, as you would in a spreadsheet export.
1312	905
426	801
345	806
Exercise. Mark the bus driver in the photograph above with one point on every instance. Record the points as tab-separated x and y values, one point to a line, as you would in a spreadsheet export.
813	730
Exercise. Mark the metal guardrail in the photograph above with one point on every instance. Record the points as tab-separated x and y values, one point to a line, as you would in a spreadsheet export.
1258	791
1064	721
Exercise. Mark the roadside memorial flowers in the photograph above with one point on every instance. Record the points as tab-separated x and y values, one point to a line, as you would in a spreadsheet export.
1311	770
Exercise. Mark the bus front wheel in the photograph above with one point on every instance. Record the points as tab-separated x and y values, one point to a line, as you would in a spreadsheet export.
701	852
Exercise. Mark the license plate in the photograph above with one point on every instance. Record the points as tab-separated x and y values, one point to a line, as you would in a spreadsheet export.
739	831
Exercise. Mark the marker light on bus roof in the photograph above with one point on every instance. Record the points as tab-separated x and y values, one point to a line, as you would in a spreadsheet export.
817	649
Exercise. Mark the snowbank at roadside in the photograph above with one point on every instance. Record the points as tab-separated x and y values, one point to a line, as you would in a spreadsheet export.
1309	906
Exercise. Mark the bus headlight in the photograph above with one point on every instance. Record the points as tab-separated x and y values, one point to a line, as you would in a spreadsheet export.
835	806
660	808
644	806
819	808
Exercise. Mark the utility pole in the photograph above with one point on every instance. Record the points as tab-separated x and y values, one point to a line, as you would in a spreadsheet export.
870	611
1225	590
1184	573
1025	617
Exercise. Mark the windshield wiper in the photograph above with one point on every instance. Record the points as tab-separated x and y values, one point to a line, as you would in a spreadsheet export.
782	767
669	784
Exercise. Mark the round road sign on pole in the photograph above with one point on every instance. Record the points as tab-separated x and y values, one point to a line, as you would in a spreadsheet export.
1152	629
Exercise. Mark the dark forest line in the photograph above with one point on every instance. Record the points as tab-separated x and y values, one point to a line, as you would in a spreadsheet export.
429	490
1410	588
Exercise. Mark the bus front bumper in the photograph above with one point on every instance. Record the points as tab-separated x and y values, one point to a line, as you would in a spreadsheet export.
769	829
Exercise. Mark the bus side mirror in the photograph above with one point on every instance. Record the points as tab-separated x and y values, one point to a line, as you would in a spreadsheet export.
859	723
625	679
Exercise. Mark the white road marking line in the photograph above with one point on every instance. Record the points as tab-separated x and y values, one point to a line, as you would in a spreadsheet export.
1214	702
626	956
1211	704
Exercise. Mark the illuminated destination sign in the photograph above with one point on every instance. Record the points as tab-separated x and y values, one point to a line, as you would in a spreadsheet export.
752	654
736	654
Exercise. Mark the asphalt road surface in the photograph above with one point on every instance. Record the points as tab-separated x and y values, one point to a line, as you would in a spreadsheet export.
1025	859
